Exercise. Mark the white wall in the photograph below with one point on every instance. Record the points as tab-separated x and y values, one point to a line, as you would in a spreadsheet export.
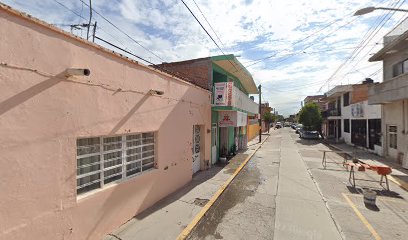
369	112
393	115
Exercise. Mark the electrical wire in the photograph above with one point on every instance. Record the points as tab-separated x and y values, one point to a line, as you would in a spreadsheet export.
360	45
198	21
368	52
127	51
256	61
209	24
120	30
104	86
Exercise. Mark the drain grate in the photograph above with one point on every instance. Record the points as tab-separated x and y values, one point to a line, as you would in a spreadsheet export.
200	202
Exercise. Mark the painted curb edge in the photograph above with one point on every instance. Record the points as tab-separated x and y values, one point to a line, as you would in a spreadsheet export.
214	198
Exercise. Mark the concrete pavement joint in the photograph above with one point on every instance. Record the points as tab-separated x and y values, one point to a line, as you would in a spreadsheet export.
326	204
277	186
205	209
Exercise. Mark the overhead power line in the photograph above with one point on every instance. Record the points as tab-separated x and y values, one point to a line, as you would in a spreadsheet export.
124	49
120	30
256	61
209	24
209	35
90	19
369	51
362	44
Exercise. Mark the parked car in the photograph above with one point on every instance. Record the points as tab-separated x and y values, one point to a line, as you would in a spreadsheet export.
293	126
309	135
299	128
278	125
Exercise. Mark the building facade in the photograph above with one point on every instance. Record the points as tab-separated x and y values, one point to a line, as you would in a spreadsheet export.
318	99
265	108
81	155
392	94
349	118
233	113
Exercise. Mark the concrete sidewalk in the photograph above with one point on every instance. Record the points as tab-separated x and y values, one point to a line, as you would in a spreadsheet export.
167	218
398	173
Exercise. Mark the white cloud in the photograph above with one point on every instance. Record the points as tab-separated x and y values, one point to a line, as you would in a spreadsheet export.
253	29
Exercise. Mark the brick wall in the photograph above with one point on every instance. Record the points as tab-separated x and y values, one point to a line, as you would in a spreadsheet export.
197	72
359	93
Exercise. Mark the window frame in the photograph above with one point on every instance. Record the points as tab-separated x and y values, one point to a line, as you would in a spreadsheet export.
146	144
346	130
345	104
400	68
393	134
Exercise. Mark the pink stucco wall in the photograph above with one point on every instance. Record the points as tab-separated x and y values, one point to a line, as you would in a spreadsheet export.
42	113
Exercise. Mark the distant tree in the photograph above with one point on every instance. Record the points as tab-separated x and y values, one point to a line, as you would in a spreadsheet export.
279	118
311	117
268	117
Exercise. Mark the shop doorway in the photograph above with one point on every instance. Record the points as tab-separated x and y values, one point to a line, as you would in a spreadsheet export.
359	132
374	129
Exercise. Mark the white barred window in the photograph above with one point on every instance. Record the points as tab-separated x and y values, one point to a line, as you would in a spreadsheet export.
102	160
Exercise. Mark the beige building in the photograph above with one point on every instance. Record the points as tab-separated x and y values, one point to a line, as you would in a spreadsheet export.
392	94
320	100
81	155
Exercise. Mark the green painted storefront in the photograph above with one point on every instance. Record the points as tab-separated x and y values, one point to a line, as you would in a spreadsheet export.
220	75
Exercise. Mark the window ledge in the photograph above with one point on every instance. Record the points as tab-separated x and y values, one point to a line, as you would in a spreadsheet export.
84	196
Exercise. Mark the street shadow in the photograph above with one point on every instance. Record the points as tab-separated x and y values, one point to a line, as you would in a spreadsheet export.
129	114
308	142
30	92
379	192
198	178
372	207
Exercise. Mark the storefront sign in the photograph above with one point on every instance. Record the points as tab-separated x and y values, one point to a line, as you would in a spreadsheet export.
229	93
232	119
223	93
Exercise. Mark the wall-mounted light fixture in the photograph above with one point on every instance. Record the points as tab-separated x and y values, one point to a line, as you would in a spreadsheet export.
155	92
77	72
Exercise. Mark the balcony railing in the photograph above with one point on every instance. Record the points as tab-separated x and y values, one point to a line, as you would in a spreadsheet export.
396	32
391	90
333	113
242	101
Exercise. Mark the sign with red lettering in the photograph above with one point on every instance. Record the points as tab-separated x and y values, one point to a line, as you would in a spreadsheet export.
232	119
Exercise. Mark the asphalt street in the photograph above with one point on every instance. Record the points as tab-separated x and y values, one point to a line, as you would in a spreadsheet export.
285	193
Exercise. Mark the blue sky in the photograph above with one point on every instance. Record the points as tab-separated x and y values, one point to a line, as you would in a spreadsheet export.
252	29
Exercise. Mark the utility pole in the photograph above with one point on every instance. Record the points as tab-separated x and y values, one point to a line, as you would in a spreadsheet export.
90	19
94	30
260	117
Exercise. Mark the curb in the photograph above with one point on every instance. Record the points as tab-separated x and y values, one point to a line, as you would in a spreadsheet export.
395	179
401	183
183	235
